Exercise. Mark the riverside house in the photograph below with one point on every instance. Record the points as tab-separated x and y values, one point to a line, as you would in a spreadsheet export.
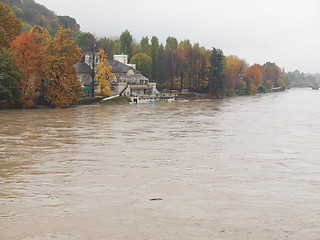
127	80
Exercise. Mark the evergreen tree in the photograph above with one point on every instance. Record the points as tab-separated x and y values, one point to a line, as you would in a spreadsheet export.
216	78
126	43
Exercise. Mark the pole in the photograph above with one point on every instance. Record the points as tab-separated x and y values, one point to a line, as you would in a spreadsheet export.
93	67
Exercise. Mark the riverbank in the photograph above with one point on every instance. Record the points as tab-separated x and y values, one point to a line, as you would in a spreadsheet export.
126	100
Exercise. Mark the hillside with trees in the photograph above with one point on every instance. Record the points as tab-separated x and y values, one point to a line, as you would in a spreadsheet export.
32	13
36	67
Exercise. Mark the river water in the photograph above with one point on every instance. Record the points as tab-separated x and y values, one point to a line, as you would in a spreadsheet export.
237	168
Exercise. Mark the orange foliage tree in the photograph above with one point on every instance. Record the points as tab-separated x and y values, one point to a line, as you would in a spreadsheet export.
61	87
253	77
28	56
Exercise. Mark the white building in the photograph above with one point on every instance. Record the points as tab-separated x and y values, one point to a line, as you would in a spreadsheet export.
128	80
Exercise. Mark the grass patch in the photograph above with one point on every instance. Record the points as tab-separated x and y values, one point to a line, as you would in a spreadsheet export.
118	100
88	100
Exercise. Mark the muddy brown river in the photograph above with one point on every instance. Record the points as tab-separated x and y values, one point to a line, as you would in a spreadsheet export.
239	168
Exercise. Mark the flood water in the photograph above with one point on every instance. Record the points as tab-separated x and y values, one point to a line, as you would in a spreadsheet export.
237	168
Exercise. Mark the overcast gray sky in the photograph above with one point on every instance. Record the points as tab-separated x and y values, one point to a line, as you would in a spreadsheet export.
283	31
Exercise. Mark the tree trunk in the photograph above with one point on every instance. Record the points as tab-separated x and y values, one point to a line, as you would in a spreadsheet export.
181	82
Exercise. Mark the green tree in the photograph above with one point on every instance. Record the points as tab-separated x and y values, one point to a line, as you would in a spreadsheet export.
85	41
69	22
154	52
10	25
107	45
170	58
145	47
160	71
9	72
171	44
217	60
135	49
143	63
116	47
126	43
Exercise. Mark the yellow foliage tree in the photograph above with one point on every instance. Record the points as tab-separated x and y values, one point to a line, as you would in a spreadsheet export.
104	74
10	25
233	70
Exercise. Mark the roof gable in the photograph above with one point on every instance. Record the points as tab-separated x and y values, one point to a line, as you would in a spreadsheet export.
119	67
83	68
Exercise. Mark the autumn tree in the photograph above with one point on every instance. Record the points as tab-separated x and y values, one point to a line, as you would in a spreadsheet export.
271	73
41	35
199	68
104	74
234	68
185	48
253	77
10	25
283	80
180	65
62	87
29	60
203	71
9	72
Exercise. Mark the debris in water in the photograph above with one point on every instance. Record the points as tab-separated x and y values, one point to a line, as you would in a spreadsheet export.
156	199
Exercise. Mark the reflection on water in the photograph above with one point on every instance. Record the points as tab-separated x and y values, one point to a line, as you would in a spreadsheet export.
238	168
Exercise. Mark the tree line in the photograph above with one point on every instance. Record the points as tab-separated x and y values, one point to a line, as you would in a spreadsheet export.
183	65
38	67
